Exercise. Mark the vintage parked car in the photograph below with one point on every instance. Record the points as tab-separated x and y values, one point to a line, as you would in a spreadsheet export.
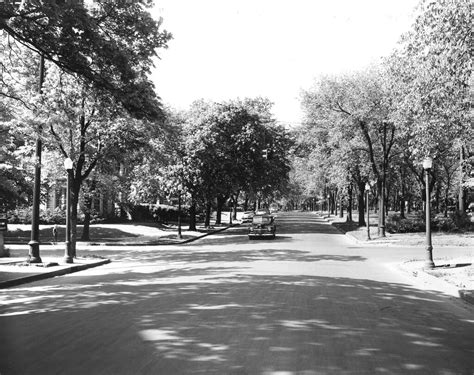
262	226
247	217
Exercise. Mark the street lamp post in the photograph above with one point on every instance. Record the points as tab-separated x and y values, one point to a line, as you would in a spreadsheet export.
34	244
329	211
367	190
179	215
67	255
427	165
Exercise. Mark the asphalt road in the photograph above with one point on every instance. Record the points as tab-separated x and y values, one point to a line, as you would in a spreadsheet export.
309	302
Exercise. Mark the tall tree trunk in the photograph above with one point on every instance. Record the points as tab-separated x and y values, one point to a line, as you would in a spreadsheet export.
350	203
87	219
437	197
235	199
402	201
246	203
381	204
76	187
360	203
88	199
341	208
446	195
402	207
192	215
220	203
207	222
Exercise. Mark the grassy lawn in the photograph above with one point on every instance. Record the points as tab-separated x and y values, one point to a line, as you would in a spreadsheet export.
411	239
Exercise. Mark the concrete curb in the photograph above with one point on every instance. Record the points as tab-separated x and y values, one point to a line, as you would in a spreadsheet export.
48	275
427	281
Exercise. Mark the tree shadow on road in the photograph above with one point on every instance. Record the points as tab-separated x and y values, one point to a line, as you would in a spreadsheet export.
223	319
285	232
276	255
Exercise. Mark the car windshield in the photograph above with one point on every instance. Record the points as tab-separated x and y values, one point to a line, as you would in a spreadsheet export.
262	219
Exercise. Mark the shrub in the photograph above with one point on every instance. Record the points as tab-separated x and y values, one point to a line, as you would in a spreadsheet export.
141	213
397	224
57	216
462	220
456	222
445	224
20	215
96	218
24	215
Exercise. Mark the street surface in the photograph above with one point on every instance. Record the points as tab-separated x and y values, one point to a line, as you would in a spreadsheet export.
309	302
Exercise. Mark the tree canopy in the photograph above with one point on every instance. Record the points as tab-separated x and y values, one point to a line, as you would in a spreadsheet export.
110	45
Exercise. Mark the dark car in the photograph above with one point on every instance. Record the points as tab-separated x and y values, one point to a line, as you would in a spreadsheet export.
262	226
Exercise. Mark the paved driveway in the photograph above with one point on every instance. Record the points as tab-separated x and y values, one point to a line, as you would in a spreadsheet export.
309	302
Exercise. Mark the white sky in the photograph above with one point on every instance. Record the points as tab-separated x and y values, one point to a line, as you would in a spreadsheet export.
225	49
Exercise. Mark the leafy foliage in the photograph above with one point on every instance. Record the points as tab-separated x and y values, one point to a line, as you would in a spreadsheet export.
390	117
110	46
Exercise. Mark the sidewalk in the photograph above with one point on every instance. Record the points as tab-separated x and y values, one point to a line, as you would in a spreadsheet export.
455	275
16	271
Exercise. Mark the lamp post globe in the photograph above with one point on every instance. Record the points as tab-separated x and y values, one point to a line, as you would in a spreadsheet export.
68	164
427	163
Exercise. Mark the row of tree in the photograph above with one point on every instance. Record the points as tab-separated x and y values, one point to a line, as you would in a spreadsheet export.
82	91
377	125
228	153
74	85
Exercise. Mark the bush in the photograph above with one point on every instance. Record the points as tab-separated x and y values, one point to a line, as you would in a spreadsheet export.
141	213
456	222
20	215
96	218
397	224
462	220
162	214
24	215
57	216
445	224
